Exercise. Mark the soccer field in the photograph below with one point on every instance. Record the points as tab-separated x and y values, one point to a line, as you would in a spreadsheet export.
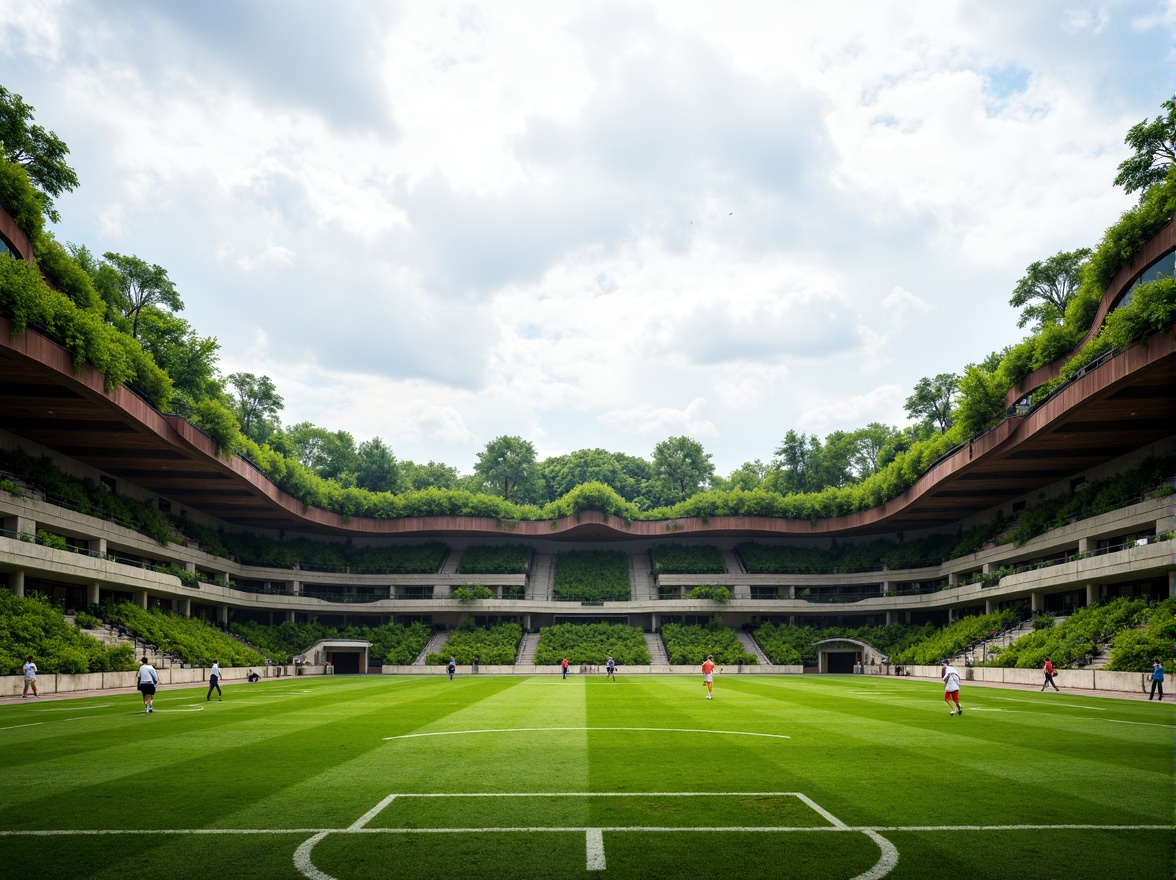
497	777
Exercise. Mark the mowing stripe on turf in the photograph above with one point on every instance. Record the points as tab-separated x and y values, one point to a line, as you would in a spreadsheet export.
581	729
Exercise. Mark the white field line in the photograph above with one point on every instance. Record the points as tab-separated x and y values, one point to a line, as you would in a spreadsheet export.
302	859
84	708
821	811
372	813
581	729
1053	703
595	850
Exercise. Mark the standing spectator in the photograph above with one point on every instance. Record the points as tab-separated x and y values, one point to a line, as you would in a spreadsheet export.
214	682
708	674
30	672
951	688
452	666
564	666
1049	676
611	666
1157	679
148	679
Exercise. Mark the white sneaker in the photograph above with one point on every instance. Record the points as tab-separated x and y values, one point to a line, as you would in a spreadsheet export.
952	712
708	696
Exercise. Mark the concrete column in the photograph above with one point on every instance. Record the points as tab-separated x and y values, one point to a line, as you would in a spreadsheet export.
792	592
92	593
1172	583
184	607
1036	602
16	580
953	579
887	587
988	568
141	599
1092	591
890	615
97	545
190	567
222	614
296	587
289	617
224	579
22	525
1085	545
989	606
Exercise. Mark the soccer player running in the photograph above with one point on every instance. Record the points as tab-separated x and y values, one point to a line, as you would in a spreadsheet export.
708	674
30	678
951	688
611	666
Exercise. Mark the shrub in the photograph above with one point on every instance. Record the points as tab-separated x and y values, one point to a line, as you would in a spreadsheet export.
494	559
33	625
194	641
688	559
592	576
472	592
691	644
496	646
714	592
1082	634
591	643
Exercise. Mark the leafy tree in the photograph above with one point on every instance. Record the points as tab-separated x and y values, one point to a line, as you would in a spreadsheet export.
141	285
189	359
563	473
834	460
749	475
1155	152
103	276
41	153
982	401
257	404
931	402
870	442
507	467
434	475
376	468
681	468
796	462
1048	287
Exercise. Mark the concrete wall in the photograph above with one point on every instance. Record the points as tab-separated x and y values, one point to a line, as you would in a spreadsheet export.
50	683
1089	679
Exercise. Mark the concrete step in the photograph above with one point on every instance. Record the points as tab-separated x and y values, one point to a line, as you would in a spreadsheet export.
526	654
752	646
435	643
657	649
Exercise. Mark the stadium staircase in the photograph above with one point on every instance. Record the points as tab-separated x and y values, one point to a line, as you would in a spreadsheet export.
976	653
451	563
752	647
734	566
541	577
114	636
433	646
657	649
641	588
526	654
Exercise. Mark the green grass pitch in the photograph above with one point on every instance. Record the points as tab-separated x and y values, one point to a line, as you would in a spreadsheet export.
358	778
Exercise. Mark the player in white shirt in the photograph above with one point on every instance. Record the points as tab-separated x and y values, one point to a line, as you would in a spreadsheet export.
214	681
951	688
30	679
148	679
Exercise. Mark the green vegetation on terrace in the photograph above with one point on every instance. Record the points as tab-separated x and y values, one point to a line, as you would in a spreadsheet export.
194	641
85	495
688	559
793	645
250	548
1139	630
953	638
34	625
494	559
592	576
591	643
688	644
393	644
493	646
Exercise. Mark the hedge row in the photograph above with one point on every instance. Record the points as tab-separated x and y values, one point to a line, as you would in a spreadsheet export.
689	559
591	643
494	559
195	641
496	646
592	576
690	644
34	625
953	638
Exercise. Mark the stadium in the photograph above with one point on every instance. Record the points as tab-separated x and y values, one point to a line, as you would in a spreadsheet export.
141	529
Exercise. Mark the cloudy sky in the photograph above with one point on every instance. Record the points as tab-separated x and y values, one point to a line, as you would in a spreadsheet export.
592	223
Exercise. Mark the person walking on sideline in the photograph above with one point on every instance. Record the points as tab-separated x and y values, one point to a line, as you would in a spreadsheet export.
148	679
214	682
1049	676
30	672
452	666
611	666
563	664
951	688
708	674
1157	679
